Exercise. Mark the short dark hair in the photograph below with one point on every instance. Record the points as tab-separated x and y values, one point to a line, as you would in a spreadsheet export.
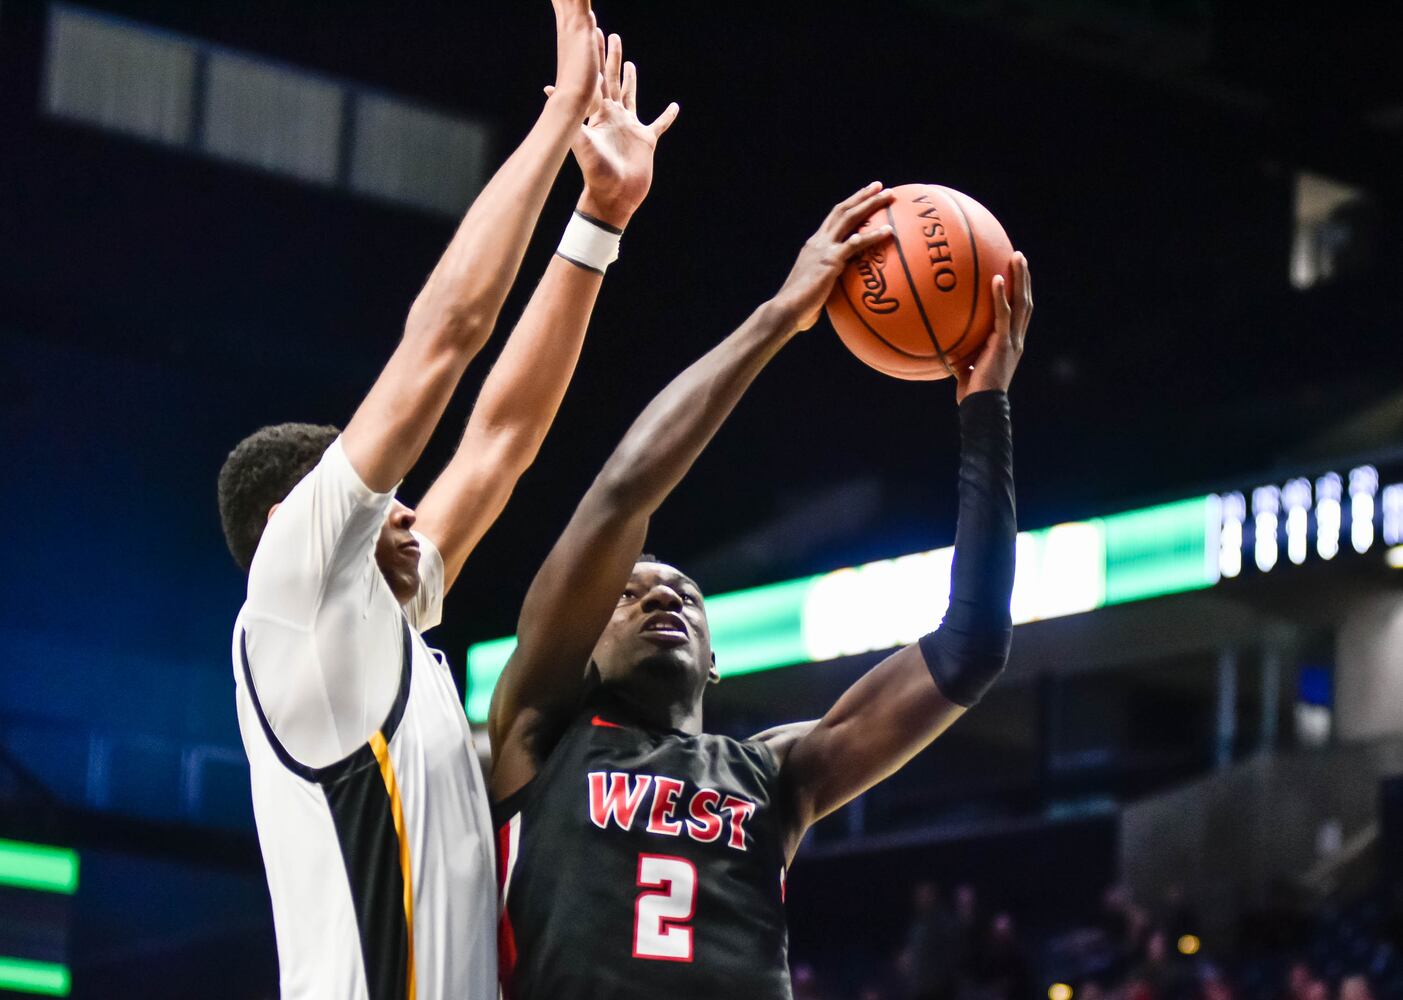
261	471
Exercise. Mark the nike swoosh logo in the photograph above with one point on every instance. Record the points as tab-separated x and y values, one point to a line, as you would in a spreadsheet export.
597	721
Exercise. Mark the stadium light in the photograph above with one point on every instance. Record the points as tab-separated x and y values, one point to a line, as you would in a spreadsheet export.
1234	507
1327	515
1363	487
1266	505
1392	502
1295	496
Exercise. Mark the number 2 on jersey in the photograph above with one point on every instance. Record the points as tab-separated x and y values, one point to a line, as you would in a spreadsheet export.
660	929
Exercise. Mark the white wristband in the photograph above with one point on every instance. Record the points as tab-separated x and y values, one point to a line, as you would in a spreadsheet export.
589	243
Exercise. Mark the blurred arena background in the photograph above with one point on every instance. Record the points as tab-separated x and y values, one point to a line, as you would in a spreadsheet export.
1190	783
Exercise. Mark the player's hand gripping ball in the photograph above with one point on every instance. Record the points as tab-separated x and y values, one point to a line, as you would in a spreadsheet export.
920	306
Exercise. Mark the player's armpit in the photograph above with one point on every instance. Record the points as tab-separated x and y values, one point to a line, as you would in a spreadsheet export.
781	739
892	713
516	752
565	610
425	609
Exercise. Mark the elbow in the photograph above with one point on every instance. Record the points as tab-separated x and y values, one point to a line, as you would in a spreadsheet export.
456	327
461	328
965	664
500	455
981	646
982	622
620	488
514	450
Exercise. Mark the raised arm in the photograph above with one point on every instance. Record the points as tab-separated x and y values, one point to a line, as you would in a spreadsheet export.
521	395
911	697
454	313
576	589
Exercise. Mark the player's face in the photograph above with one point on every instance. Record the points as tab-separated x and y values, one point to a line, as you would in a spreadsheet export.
397	553
658	640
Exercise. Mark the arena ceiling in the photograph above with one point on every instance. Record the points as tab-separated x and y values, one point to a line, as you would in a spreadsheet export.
1145	156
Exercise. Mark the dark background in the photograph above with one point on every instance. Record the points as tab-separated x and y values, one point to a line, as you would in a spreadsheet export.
156	306
1169	349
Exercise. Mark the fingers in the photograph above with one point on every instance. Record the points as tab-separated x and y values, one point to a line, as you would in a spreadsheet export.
630	86
1003	312
855	214
1022	299
861	241
863	192
613	68
664	121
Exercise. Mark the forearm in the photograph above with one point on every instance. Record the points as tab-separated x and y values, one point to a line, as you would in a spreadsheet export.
466	289
523	391
894	710
967	652
671	432
509	422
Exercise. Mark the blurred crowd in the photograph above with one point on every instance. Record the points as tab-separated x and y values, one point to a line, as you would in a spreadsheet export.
956	948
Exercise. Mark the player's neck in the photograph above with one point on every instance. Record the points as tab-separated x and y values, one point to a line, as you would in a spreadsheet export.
652	713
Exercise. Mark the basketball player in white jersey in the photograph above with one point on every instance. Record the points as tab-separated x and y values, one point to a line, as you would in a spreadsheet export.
370	806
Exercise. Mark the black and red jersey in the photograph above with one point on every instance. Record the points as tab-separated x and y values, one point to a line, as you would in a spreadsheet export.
644	863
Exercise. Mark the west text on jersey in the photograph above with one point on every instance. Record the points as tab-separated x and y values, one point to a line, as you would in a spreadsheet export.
617	797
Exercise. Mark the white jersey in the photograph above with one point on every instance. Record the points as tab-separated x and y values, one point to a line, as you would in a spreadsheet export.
371	810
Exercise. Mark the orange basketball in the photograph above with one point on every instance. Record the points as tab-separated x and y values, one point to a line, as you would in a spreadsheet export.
920	305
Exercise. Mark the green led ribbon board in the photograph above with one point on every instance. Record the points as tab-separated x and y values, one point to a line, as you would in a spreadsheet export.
1067	569
35	866
1062	570
43	978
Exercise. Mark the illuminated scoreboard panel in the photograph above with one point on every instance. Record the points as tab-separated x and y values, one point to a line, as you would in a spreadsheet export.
1066	569
1309	518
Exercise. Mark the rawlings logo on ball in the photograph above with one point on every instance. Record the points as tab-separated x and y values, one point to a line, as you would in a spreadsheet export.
875	282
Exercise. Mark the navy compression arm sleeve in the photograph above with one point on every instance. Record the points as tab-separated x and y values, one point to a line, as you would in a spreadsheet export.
968	652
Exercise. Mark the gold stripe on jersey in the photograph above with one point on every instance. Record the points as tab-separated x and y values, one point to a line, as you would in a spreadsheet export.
387	772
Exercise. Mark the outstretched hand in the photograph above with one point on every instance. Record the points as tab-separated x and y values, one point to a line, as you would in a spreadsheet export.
837	241
999	357
614	148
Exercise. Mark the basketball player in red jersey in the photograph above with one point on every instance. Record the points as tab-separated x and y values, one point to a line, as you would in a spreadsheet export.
639	856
